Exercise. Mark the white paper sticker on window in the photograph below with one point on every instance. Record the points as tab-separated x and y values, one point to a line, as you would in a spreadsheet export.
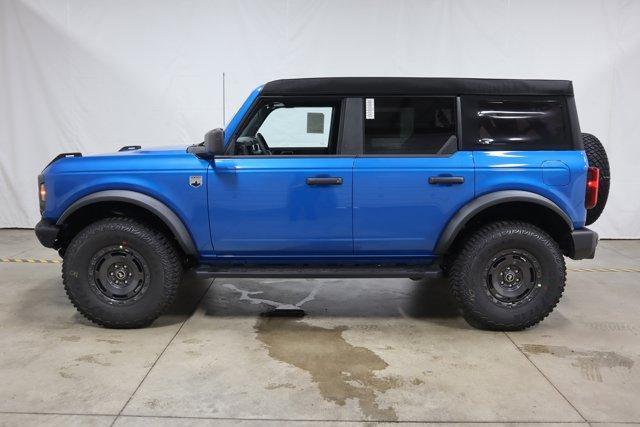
370	109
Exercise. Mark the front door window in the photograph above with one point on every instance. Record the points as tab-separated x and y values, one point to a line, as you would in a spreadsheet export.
279	128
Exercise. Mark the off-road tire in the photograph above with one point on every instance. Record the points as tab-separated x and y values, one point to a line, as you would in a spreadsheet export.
471	287
597	157
158	254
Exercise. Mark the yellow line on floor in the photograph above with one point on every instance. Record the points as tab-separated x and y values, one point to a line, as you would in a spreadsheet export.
605	270
31	260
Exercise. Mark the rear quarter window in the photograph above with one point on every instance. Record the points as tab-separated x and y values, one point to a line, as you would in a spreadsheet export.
515	123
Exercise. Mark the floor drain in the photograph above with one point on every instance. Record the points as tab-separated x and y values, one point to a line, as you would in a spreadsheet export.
285	311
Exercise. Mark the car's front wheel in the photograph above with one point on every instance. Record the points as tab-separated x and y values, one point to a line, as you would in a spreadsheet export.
120	273
508	275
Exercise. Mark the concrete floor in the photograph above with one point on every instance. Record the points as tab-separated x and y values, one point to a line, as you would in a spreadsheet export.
381	350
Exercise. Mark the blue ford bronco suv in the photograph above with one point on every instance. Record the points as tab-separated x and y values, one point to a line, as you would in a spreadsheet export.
487	182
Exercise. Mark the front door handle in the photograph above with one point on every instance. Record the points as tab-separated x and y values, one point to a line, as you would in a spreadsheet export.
324	181
446	179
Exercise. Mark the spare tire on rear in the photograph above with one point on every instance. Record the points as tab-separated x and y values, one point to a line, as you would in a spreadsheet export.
597	157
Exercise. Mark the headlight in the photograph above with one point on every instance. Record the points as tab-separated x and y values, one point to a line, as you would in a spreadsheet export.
42	193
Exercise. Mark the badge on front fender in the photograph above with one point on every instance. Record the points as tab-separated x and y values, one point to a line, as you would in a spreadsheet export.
195	181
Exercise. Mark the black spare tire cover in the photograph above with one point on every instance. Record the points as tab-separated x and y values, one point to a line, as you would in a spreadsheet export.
597	157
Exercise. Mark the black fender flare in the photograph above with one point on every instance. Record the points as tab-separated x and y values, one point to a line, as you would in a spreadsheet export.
471	209
153	205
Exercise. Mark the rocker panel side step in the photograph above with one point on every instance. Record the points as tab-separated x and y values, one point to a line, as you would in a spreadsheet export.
311	271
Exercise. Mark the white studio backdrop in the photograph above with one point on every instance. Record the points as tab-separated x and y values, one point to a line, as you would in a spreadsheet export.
94	75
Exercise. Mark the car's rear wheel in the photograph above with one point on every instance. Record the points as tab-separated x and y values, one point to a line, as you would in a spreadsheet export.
597	157
508	275
120	273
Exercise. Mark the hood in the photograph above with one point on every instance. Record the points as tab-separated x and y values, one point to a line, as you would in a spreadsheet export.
152	158
144	151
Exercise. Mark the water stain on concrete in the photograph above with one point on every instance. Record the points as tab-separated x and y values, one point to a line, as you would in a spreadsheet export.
341	370
590	363
276	386
612	326
64	374
90	358
70	338
152	403
109	341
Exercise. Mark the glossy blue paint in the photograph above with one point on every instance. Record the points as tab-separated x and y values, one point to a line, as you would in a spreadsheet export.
237	118
555	173
523	170
162	173
262	206
396	210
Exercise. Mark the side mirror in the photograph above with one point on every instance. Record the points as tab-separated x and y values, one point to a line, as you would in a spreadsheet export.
214	142
212	146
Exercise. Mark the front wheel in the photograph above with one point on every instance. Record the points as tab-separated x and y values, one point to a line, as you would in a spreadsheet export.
119	273
508	276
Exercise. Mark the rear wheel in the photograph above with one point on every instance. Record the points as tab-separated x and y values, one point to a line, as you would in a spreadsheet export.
597	157
120	273
508	276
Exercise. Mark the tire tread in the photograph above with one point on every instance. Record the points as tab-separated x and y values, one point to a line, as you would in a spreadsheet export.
162	245
469	250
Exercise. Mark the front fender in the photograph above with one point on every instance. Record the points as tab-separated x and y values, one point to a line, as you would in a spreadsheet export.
155	206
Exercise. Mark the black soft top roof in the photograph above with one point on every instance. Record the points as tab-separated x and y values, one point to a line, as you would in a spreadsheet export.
415	86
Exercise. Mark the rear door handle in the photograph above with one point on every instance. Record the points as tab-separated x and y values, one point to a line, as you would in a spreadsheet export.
446	179
324	181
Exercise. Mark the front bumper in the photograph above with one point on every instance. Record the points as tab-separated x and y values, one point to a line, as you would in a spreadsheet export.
47	233
584	243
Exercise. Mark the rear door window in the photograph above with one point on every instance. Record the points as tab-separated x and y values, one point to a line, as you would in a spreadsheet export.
511	123
409	126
